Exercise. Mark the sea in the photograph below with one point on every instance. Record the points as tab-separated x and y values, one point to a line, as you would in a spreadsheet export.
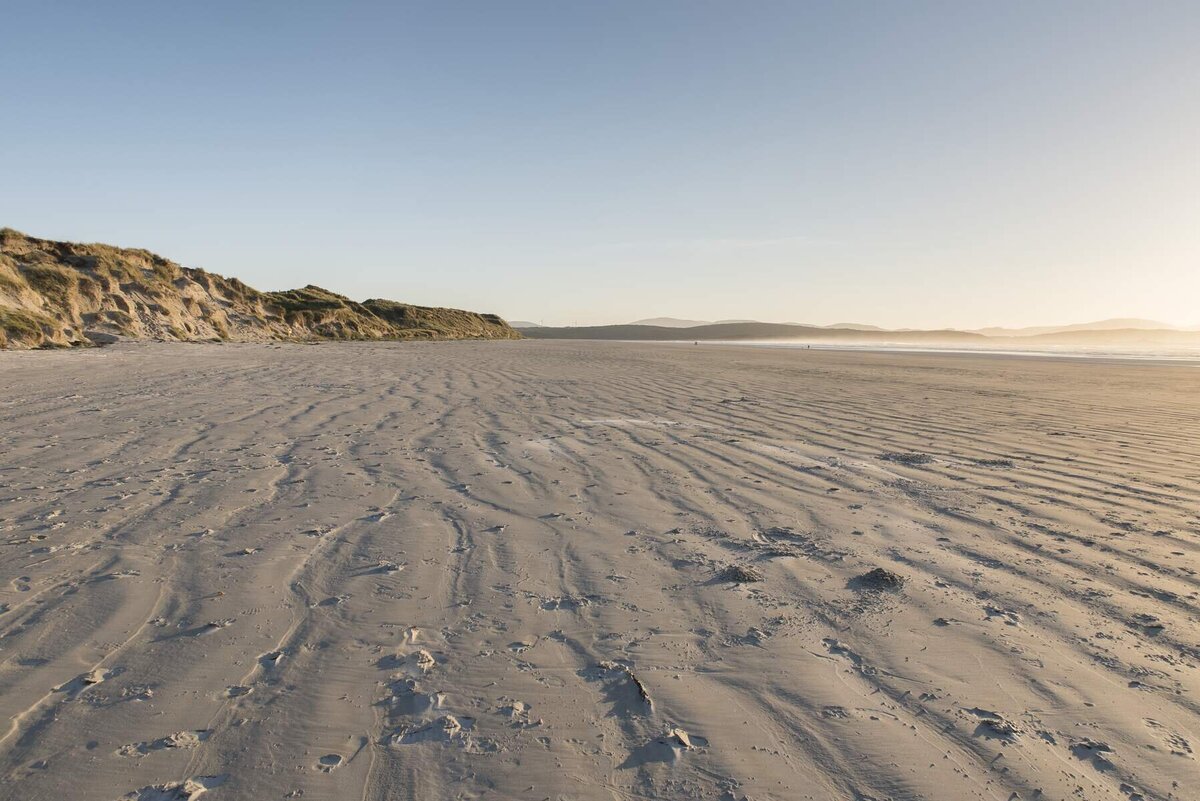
1184	355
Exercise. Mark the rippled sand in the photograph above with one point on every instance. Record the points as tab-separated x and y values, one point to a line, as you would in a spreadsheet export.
538	570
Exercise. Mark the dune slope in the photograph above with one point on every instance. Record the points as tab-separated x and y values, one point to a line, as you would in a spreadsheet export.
57	294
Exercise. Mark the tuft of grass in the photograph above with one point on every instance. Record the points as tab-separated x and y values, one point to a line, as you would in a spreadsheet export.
18	325
54	283
10	281
310	298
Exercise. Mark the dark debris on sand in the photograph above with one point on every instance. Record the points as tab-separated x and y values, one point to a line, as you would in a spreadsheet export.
740	574
906	457
1003	464
878	580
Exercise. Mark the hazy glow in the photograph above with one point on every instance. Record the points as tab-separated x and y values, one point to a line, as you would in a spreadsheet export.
954	164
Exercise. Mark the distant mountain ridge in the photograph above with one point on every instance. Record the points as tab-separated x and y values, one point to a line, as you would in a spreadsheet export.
1113	324
816	334
699	329
59	294
855	327
671	322
744	331
677	322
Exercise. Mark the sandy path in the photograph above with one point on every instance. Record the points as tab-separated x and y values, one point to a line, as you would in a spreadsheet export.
492	570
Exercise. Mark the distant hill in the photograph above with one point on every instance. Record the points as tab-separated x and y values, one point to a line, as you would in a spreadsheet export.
670	322
1126	337
57	294
750	331
675	322
1114	324
732	332
523	324
854	327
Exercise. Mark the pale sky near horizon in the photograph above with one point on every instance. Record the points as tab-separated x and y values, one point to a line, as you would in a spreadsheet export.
949	164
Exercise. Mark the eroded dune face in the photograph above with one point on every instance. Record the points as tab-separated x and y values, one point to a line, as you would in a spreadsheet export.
550	570
59	294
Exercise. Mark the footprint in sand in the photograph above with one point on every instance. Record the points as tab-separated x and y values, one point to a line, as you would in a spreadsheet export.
407	699
186	790
622	688
670	747
838	648
1174	742
521	646
329	763
1097	753
1007	616
214	625
80	683
272	659
417	663
180	739
517	713
446	730
994	726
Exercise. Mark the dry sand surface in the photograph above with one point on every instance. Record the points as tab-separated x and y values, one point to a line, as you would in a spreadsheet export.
547	570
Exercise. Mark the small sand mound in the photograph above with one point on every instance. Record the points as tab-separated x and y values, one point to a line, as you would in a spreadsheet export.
740	574
423	661
878	580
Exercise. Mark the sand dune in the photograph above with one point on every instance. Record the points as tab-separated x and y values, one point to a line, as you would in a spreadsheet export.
67	294
544	570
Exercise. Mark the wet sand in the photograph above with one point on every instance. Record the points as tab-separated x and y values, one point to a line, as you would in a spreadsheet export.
572	570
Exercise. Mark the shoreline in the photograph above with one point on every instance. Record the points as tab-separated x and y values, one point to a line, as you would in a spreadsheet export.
1190	359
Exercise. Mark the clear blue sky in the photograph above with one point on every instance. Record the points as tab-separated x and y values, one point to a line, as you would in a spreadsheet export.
953	163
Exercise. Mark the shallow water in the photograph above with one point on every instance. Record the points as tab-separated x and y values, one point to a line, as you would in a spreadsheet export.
1187	355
